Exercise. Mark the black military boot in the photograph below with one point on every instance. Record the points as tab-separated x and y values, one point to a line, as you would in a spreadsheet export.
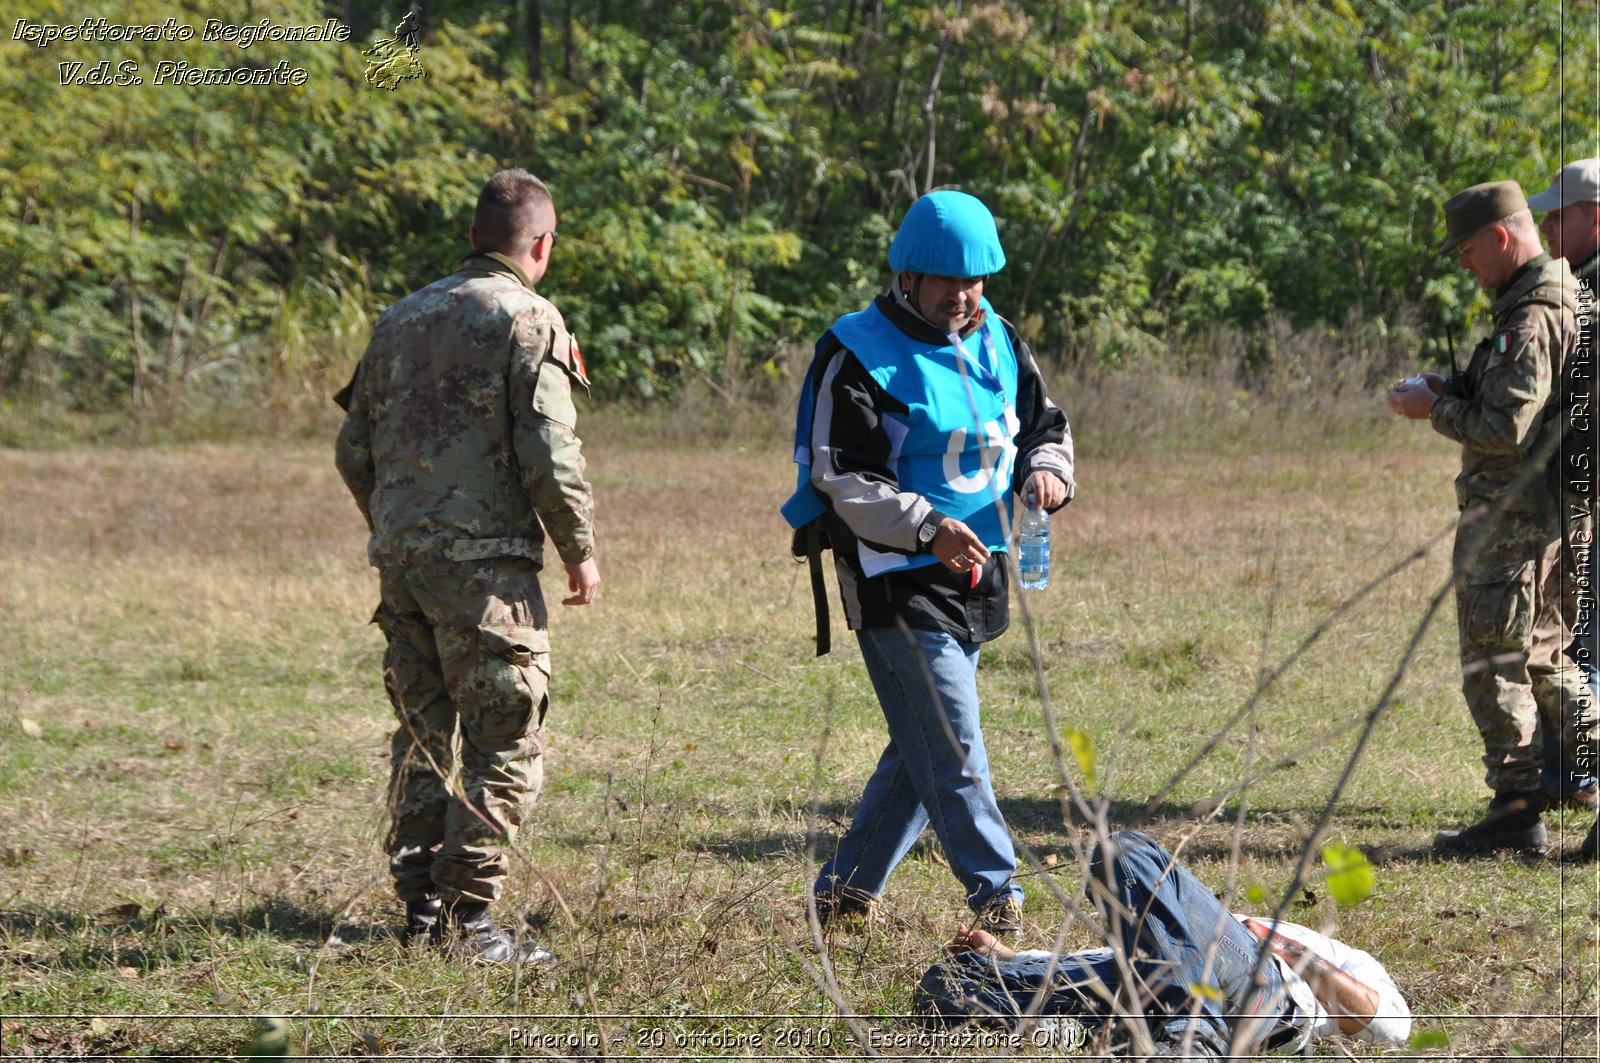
1512	823
469	933
421	919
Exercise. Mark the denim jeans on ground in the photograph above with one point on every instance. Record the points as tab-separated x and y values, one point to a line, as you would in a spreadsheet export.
1169	950
1183	937
934	770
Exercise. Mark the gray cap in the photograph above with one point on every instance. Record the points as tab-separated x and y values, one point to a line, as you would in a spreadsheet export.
1468	211
1578	182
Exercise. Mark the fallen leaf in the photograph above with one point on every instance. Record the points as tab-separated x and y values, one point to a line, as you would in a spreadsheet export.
1049	860
174	744
31	728
128	972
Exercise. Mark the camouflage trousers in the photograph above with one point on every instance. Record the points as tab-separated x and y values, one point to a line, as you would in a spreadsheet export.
467	670
1515	605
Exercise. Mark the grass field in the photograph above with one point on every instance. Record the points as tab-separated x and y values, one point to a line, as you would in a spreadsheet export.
193	736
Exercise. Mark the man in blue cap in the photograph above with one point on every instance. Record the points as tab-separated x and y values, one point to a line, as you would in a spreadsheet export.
924	415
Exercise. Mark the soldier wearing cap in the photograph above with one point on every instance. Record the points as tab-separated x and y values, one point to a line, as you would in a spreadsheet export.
1571	227
928	415
1571	222
460	448
1512	616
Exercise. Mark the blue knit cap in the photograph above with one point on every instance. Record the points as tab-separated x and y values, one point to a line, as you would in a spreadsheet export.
950	234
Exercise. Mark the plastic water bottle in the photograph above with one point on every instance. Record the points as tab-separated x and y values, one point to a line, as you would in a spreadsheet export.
1033	547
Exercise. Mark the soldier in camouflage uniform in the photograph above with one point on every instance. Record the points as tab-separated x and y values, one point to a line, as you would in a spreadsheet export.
1513	617
458	444
1571	226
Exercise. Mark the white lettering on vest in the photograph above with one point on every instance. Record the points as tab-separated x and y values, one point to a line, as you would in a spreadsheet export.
996	448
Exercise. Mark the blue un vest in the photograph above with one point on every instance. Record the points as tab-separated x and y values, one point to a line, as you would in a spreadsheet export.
955	445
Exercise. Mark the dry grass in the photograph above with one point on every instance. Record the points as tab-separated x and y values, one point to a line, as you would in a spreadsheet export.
193	733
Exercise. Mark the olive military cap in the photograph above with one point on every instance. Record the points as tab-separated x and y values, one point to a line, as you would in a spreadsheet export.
1468	211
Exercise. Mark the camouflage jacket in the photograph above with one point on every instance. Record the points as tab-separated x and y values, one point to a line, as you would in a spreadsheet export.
1587	271
458	439
1499	409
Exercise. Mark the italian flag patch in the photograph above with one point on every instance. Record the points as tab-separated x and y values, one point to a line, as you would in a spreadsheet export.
1502	342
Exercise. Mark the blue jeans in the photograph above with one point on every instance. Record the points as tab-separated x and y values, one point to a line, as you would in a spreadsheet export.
933	771
1174	933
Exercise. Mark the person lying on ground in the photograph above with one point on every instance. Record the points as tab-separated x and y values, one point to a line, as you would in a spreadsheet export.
1191	969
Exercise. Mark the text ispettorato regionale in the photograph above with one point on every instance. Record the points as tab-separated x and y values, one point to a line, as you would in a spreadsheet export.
241	35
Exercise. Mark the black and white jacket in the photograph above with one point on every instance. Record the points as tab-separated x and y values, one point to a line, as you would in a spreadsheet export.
851	470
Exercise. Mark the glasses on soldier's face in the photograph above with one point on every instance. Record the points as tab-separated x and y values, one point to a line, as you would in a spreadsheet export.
550	233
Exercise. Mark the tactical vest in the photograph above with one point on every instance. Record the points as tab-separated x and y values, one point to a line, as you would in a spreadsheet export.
955	444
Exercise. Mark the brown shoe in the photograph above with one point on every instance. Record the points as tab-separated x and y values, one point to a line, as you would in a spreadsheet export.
1001	917
843	903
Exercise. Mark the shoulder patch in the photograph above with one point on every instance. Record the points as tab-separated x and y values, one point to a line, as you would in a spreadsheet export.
564	351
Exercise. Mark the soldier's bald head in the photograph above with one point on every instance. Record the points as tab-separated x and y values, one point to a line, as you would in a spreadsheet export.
514	209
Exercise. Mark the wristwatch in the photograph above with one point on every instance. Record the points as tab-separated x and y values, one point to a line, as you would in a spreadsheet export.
928	529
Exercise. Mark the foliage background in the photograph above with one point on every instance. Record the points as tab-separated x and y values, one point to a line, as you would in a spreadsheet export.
729	171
